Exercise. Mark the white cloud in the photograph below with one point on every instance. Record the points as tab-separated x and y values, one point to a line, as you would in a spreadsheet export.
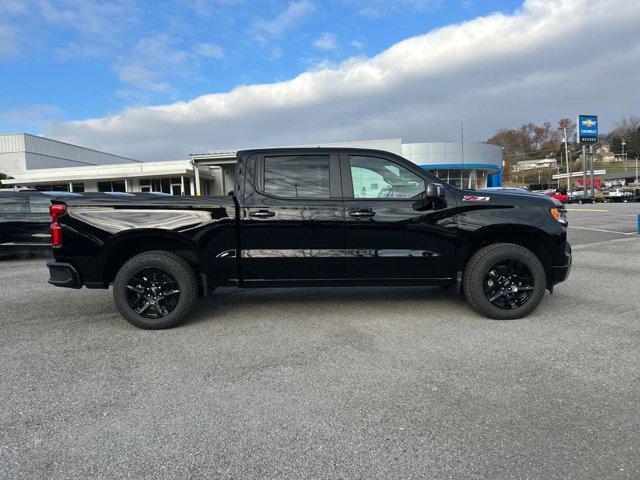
359	44
209	50
154	60
327	41
494	71
8	46
209	8
31	117
290	18
380	8
96	20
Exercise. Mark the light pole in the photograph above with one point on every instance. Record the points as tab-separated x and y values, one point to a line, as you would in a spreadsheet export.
566	154
624	158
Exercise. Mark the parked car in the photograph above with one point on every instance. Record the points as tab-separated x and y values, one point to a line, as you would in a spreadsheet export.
561	197
580	199
516	190
24	222
635	196
311	217
618	195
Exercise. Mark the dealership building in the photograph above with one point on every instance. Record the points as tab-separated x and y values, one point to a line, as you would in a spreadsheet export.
46	164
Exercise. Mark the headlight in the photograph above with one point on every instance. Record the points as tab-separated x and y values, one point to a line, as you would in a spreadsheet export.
560	214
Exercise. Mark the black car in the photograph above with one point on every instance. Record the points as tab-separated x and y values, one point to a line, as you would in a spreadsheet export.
24	222
312	217
580	199
635	197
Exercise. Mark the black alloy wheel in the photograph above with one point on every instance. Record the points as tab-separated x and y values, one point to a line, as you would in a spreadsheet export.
152	293
508	284
155	289
504	281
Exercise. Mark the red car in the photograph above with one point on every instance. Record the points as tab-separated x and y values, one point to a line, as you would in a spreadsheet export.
558	196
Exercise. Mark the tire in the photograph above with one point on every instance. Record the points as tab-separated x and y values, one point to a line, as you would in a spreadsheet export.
477	278
170	272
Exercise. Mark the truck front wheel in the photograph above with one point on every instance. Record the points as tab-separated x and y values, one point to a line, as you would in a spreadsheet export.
504	281
155	290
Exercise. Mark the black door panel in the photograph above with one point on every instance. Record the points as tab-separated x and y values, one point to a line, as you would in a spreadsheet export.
289	239
386	238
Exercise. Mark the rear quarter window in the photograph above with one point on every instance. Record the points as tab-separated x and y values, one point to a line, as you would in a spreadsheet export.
11	204
39	204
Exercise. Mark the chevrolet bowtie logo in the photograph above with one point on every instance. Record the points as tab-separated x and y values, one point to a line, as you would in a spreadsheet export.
588	123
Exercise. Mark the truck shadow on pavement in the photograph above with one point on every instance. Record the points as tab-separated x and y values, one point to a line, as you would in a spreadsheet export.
306	302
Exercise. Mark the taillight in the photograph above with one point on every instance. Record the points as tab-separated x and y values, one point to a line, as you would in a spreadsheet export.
56	210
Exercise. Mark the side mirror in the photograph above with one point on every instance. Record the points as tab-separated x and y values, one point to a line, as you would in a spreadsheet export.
434	191
433	196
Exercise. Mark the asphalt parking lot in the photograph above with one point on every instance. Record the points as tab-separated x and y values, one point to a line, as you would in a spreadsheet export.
329	383
602	221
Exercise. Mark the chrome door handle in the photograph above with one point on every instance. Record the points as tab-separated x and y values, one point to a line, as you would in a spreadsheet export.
262	214
362	213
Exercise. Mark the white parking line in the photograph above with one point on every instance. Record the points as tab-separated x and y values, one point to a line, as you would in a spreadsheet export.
601	220
601	230
632	214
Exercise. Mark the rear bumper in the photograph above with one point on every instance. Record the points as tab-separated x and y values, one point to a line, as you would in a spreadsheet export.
63	275
561	272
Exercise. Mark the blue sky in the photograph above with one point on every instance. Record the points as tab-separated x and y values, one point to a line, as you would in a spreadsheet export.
67	60
159	80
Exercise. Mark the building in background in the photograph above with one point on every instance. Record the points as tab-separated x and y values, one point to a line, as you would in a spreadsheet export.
21	152
523	165
46	164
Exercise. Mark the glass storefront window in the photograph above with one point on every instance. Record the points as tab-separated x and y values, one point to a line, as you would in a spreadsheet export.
462	178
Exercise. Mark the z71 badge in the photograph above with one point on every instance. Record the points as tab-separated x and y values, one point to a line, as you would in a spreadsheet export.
475	198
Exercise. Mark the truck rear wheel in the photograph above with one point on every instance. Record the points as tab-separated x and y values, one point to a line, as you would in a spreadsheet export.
155	290
504	281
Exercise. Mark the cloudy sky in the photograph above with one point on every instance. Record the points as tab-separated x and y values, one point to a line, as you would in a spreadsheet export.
158	80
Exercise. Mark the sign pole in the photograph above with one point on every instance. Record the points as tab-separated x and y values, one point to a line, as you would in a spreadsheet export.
593	188
584	169
587	133
566	155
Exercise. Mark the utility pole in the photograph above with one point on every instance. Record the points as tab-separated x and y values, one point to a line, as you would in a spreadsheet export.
462	151
566	154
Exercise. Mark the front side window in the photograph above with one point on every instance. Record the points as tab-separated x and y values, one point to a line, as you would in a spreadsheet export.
374	177
297	176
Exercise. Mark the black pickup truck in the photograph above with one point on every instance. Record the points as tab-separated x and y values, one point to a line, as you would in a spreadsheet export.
311	217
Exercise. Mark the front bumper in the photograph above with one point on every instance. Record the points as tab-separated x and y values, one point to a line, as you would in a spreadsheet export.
63	275
561	272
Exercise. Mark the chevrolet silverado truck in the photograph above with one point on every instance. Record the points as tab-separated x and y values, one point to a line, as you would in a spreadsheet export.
311	217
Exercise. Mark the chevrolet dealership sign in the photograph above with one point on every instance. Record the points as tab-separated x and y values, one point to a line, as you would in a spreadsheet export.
587	128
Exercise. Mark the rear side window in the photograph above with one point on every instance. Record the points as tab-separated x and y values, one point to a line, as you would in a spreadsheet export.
39	204
297	176
11	204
